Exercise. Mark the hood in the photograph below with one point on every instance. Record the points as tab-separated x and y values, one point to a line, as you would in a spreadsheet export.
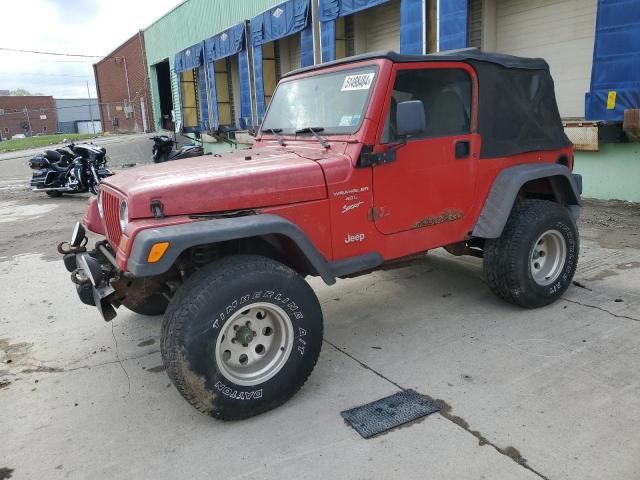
236	181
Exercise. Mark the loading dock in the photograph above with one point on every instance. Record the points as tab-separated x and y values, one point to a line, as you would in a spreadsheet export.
282	40
227	60
191	77
350	27
163	77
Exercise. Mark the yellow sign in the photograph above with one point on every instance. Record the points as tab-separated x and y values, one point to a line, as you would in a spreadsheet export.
119	107
611	100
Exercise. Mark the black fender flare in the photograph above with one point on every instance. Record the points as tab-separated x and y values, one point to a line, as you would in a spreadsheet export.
202	232
508	183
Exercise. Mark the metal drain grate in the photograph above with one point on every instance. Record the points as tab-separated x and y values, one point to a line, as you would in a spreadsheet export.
389	412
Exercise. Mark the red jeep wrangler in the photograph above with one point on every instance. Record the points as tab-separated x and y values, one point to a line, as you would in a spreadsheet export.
359	163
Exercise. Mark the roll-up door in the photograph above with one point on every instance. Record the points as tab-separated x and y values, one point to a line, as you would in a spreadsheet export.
560	31
289	48
175	93
475	23
224	92
382	27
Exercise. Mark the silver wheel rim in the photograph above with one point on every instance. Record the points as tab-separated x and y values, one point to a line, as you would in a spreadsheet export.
548	257
254	344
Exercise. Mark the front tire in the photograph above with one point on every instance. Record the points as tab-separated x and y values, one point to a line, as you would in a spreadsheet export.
161	158
241	336
534	260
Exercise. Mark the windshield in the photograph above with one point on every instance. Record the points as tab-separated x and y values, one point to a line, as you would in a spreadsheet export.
334	102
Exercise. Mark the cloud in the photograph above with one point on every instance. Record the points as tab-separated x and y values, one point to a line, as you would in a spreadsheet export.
90	27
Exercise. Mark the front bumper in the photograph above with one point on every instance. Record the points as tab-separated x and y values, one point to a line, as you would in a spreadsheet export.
91	272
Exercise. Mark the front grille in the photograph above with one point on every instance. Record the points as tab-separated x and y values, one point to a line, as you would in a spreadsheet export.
111	207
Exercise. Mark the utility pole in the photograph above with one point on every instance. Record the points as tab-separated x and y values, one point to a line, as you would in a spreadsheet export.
93	125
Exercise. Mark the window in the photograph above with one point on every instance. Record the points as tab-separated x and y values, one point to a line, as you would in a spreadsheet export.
43	111
1	111
446	95
44	129
6	129
190	103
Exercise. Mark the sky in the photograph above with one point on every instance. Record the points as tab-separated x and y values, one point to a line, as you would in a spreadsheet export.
85	27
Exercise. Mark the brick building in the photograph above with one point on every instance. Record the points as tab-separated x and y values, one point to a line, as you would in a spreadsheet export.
27	115
123	90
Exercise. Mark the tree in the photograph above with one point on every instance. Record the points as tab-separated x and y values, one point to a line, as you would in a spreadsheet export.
21	92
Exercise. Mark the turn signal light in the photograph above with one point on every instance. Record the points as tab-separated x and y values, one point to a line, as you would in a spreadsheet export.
157	251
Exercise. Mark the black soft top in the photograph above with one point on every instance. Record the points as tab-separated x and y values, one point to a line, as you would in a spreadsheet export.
465	55
517	109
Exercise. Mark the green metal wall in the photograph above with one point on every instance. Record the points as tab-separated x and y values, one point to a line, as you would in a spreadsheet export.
613	173
189	23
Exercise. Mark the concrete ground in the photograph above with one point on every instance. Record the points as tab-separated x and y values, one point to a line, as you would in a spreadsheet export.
551	393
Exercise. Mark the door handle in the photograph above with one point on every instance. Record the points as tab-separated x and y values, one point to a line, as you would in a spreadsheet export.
462	149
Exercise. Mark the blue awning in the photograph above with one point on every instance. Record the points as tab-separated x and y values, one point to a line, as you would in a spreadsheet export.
331	9
280	21
226	43
188	59
615	75
453	25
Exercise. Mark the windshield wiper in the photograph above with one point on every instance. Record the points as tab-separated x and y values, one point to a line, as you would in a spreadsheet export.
315	131
275	132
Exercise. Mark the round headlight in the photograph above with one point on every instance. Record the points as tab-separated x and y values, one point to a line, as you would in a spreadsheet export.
124	215
100	207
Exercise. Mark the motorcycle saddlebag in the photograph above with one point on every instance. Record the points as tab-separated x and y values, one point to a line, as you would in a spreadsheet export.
38	162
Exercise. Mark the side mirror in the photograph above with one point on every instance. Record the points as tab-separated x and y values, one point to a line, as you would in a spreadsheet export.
410	118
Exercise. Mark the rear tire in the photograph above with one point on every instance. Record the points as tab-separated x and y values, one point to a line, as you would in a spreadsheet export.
241	336
534	260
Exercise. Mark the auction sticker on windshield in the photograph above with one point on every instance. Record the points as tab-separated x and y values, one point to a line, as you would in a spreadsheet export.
358	82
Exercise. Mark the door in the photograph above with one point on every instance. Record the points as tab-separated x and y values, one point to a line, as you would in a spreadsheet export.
382	27
374	29
431	182
475	24
89	127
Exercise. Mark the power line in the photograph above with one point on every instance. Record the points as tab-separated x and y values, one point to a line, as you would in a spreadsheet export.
65	61
50	53
46	74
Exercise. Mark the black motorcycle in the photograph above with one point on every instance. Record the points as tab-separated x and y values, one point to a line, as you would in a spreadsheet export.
77	169
163	150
